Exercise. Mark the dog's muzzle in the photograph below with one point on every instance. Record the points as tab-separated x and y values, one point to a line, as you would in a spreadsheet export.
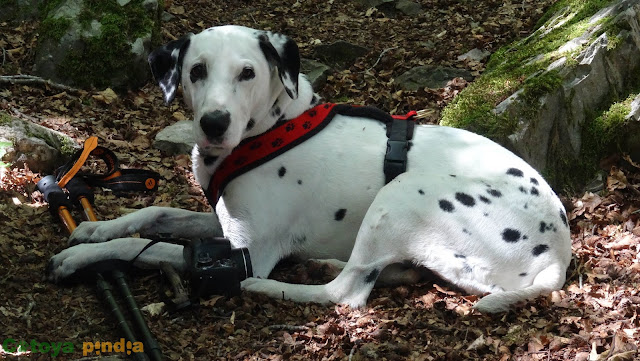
214	124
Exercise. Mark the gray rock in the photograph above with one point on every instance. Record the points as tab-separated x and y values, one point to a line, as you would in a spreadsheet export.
474	55
340	53
552	132
315	71
40	148
430	77
408	7
176	138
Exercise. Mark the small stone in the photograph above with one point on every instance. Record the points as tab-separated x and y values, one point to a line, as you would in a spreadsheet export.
176	138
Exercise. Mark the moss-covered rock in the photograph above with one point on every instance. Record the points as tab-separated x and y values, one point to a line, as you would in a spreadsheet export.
96	43
19	10
540	96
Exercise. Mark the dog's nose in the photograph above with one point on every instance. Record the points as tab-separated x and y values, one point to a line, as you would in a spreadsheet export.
214	124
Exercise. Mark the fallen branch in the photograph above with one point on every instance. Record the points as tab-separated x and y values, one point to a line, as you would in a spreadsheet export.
35	80
26	315
381	55
289	328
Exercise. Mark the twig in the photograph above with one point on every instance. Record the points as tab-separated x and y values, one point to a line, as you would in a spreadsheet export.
4	56
353	351
381	55
32	79
26	313
290	328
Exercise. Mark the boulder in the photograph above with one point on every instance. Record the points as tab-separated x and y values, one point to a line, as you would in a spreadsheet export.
40	148
20	10
430	77
176	138
98	44
546	106
315	71
340	53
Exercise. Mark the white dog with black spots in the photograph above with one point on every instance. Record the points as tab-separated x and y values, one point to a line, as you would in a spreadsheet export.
466	208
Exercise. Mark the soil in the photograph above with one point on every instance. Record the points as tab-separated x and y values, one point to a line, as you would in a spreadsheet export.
594	317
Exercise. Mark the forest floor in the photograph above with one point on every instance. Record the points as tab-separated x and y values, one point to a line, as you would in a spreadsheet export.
594	317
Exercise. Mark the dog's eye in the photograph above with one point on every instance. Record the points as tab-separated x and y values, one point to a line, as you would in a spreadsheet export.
247	74
199	71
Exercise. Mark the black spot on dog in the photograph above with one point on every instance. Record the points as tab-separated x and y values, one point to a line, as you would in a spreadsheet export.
515	172
466	231
523	274
251	124
459	255
299	181
446	206
452	175
340	214
526	205
209	160
539	249
314	99
534	181
421	191
521	189
563	217
484	199
543	227
372	276
467	269
494	193
510	235
276	111
465	199
486	214
525	237
534	191
282	171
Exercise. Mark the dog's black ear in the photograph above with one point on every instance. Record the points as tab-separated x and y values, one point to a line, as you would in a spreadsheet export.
282	52
166	65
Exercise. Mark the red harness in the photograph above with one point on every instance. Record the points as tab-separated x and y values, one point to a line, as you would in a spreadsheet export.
255	151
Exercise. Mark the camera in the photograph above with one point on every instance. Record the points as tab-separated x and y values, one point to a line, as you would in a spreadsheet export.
215	268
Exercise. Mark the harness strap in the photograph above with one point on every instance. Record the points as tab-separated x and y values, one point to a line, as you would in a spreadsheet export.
117	179
254	151
400	133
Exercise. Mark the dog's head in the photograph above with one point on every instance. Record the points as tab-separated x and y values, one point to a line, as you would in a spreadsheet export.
231	77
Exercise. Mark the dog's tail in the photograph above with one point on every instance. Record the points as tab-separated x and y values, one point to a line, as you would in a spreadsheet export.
549	279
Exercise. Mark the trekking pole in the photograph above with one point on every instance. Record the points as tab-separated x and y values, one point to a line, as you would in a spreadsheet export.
60	204
81	192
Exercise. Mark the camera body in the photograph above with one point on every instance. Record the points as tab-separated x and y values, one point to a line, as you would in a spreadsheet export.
215	268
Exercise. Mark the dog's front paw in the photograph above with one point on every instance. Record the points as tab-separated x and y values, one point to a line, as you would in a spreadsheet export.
95	232
70	260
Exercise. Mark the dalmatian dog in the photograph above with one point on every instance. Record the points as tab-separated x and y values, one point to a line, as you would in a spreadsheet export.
466	208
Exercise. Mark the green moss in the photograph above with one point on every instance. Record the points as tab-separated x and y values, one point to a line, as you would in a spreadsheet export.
68	146
105	55
5	118
510	69
55	28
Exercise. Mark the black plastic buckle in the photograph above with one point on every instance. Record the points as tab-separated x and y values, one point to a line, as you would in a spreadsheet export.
395	160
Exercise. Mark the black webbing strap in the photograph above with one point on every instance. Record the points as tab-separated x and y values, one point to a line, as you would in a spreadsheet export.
400	133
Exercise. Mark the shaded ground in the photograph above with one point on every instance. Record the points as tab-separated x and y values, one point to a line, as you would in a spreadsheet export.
595	317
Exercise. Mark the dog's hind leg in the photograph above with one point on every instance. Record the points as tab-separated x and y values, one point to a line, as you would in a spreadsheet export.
149	222
548	280
379	243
